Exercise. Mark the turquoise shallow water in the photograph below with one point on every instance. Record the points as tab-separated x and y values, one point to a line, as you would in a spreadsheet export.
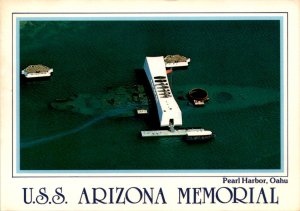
241	58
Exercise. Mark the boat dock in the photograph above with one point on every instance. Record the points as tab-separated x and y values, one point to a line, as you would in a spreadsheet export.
160	133
179	132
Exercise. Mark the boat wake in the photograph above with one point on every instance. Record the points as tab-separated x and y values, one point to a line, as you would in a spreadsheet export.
31	142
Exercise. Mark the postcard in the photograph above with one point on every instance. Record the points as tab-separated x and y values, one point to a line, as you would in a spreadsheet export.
166	108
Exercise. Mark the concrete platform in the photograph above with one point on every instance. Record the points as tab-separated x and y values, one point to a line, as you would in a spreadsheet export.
179	132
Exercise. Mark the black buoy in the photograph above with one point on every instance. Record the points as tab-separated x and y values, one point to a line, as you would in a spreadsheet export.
198	96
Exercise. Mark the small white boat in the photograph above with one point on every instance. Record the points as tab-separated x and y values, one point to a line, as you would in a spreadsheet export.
198	135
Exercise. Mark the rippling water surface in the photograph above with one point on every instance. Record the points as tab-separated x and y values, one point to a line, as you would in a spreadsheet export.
237	62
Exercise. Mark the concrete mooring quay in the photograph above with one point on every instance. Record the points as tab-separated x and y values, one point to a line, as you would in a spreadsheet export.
179	132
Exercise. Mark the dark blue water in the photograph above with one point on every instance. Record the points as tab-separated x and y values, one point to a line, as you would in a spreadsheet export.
240	57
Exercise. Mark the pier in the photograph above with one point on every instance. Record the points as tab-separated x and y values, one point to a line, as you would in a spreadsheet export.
179	132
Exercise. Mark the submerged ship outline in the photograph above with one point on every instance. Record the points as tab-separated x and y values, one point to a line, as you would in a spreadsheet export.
229	97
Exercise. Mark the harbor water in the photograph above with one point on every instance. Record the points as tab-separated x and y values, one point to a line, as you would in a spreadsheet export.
236	62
